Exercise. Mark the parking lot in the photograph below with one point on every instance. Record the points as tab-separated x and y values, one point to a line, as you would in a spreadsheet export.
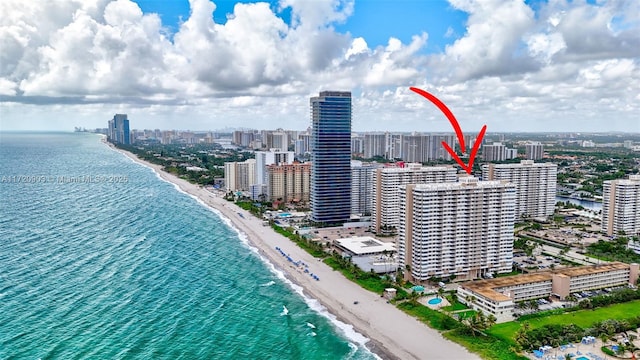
536	263
330	234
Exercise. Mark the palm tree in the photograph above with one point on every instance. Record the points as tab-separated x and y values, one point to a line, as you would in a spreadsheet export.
534	305
491	320
440	292
413	297
476	323
521	338
470	300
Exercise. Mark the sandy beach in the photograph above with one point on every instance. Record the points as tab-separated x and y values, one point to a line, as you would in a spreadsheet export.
392	333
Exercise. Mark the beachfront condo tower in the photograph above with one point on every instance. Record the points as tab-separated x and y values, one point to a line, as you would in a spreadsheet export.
621	206
331	157
386	189
118	131
362	187
462	229
535	185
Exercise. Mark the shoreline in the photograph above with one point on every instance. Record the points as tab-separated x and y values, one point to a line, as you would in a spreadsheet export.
391	333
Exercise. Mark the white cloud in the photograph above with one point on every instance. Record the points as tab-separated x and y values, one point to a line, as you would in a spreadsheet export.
494	33
545	46
358	46
568	64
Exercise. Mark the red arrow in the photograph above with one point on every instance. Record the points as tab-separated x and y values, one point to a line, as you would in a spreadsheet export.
452	119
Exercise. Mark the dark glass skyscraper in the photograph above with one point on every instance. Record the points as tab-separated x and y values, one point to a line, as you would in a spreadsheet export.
118	131
331	157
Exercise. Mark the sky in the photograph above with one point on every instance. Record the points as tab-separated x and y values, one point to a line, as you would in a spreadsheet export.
513	65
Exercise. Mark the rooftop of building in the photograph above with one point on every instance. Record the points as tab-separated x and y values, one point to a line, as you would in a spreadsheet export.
412	167
487	288
464	182
333	93
295	164
521	164
592	269
361	245
632	180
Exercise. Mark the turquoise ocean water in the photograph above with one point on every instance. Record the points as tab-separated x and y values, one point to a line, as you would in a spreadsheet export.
101	259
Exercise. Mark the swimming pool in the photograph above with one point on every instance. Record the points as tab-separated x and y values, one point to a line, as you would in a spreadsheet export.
436	301
582	358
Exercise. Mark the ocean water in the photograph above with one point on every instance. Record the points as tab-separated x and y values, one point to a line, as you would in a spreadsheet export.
101	259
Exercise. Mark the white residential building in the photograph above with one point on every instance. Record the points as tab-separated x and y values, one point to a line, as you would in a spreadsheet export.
621	206
362	187
463	229
534	150
510	153
357	145
302	145
271	157
422	148
386	200
278	139
535	185
394	147
374	145
494	152
238	176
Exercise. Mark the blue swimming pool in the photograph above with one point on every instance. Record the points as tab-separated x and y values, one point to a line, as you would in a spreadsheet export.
436	301
582	358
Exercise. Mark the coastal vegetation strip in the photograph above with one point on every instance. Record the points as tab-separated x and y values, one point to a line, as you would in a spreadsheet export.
469	332
488	347
584	319
177	159
615	250
370	281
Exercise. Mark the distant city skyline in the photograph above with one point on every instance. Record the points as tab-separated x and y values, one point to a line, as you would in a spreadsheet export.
516	66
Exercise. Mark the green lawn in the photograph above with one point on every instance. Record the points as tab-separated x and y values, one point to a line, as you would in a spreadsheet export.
582	318
435	319
455	307
487	347
466	314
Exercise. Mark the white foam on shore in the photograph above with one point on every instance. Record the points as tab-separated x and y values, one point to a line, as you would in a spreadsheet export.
346	329
352	351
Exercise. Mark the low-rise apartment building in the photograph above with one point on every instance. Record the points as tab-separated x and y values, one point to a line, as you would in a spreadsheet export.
498	296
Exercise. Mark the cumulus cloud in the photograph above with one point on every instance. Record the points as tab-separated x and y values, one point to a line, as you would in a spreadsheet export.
567	60
489	47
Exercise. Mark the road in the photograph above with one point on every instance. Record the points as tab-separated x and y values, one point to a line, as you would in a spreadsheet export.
571	255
